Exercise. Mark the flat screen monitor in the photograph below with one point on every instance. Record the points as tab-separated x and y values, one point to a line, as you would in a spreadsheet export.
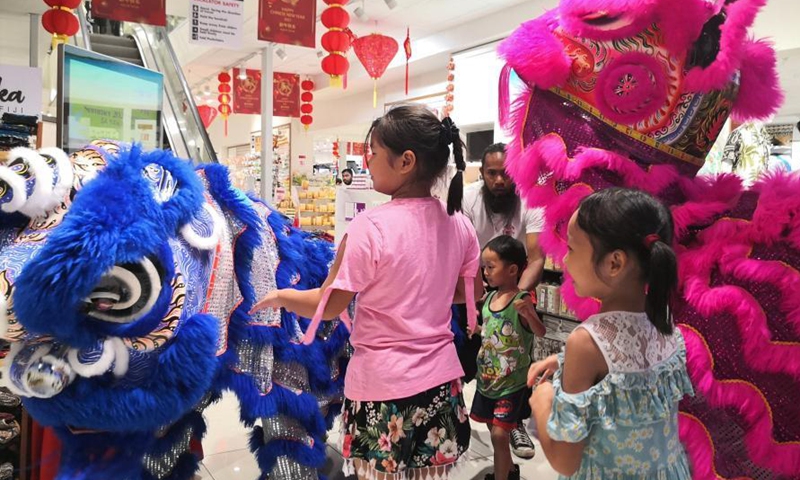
102	98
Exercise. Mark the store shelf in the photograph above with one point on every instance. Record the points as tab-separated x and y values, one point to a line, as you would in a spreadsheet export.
558	316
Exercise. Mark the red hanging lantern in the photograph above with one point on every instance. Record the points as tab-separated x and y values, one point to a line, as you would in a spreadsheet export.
335	151
224	97
375	51
407	48
448	98
207	114
307	86
60	21
336	41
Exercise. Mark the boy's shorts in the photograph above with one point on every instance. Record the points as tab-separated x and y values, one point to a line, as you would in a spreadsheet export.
504	412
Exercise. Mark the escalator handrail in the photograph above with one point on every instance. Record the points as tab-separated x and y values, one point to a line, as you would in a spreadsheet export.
140	31
85	28
189	96
178	142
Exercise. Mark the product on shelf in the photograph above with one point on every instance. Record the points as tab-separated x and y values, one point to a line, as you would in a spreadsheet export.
316	208
16	130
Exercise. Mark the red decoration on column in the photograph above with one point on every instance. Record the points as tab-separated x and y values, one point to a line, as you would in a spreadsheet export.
60	21
407	48
306	109
375	51
336	41
448	98
336	151
224	97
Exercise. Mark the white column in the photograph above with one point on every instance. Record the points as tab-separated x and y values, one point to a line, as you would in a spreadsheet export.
267	71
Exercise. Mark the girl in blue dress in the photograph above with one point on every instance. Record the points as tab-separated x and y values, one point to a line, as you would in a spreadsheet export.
611	410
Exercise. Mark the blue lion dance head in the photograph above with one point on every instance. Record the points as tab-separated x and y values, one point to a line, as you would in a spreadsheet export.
126	278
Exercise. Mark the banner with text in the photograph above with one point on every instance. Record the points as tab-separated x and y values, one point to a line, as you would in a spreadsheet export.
291	22
217	23
20	90
286	95
151	12
247	92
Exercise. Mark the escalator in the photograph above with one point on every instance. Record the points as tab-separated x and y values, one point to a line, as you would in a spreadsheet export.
149	47
121	48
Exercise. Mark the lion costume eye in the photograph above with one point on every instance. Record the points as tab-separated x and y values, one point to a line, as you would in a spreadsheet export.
600	19
126	293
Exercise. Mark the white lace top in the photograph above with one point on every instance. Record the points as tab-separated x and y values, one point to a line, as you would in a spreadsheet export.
629	342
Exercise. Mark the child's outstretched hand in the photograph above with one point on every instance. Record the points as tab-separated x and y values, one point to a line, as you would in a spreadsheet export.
476	331
542	370
270	300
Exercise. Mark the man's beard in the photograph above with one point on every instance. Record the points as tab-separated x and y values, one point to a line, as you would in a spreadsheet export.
505	204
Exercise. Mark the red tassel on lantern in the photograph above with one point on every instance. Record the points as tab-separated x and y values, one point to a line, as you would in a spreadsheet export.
336	41
224	97
407	48
306	108
60	21
375	51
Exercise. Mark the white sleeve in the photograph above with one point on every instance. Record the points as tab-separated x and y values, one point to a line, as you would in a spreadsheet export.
468	203
534	220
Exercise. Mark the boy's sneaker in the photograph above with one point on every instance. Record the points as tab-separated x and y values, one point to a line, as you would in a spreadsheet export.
512	475
521	444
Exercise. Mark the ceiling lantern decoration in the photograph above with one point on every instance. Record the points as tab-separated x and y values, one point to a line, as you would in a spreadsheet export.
448	97
306	109
375	52
60	21
207	114
336	41
224	97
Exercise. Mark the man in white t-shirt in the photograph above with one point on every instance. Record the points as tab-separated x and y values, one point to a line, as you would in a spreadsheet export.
495	209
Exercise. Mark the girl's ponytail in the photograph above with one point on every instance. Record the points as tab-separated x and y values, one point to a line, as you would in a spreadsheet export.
662	282
450	135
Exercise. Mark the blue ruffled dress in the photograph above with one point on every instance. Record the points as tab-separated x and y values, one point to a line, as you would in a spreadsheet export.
630	418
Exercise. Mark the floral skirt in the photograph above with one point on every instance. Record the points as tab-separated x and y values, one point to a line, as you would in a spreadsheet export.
399	438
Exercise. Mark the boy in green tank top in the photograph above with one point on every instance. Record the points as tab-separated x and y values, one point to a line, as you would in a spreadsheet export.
509	326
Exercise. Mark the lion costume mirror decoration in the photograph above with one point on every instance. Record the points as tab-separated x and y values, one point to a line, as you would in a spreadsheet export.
126	278
634	93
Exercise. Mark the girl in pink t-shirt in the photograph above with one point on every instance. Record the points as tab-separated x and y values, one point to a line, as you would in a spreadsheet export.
404	415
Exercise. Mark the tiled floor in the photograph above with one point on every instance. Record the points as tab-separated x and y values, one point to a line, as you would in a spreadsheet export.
227	456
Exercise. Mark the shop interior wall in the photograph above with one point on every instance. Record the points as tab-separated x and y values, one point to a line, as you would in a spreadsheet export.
241	127
15	48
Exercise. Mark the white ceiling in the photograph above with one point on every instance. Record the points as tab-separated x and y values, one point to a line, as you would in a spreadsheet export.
438	28
441	27
427	19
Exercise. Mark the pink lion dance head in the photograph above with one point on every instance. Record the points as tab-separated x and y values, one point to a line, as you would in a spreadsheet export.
634	93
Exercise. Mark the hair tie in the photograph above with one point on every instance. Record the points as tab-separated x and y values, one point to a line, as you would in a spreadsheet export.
650	240
448	132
